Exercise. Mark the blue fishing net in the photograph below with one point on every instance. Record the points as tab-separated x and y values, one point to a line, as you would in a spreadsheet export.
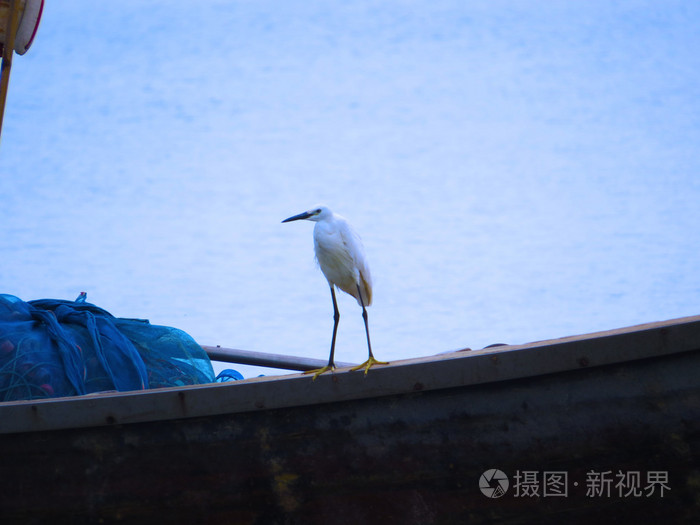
228	375
55	348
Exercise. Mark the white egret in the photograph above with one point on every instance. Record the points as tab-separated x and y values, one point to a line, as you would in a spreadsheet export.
340	255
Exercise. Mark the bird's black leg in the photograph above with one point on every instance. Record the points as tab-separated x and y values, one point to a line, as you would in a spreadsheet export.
336	320
370	360
364	316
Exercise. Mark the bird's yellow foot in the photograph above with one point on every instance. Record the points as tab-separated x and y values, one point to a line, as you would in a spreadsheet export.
368	364
318	371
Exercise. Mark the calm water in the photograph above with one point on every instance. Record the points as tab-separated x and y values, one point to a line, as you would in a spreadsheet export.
516	172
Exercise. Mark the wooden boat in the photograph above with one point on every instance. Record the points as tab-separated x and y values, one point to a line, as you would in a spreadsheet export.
415	441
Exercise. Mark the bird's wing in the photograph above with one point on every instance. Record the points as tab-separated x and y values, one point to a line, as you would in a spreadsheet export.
353	245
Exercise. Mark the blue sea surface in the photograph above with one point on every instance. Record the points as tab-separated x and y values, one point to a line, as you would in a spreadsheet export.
517	170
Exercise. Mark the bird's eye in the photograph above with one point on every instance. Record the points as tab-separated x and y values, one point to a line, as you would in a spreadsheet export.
318	211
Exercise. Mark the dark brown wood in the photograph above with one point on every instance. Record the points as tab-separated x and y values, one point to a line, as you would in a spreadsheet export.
405	444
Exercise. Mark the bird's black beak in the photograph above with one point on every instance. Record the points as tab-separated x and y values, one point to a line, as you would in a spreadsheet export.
304	215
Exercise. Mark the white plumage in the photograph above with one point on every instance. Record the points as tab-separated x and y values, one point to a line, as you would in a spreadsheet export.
341	257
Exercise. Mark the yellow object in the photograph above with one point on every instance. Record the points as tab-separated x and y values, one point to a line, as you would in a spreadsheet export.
19	21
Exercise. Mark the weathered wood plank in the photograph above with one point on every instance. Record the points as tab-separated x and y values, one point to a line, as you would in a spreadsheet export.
436	372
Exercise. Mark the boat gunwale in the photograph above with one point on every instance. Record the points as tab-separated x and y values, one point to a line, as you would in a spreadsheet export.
447	370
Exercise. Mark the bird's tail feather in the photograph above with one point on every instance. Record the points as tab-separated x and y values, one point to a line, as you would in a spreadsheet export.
366	291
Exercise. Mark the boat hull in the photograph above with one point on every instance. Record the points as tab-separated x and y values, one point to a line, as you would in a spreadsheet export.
411	456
